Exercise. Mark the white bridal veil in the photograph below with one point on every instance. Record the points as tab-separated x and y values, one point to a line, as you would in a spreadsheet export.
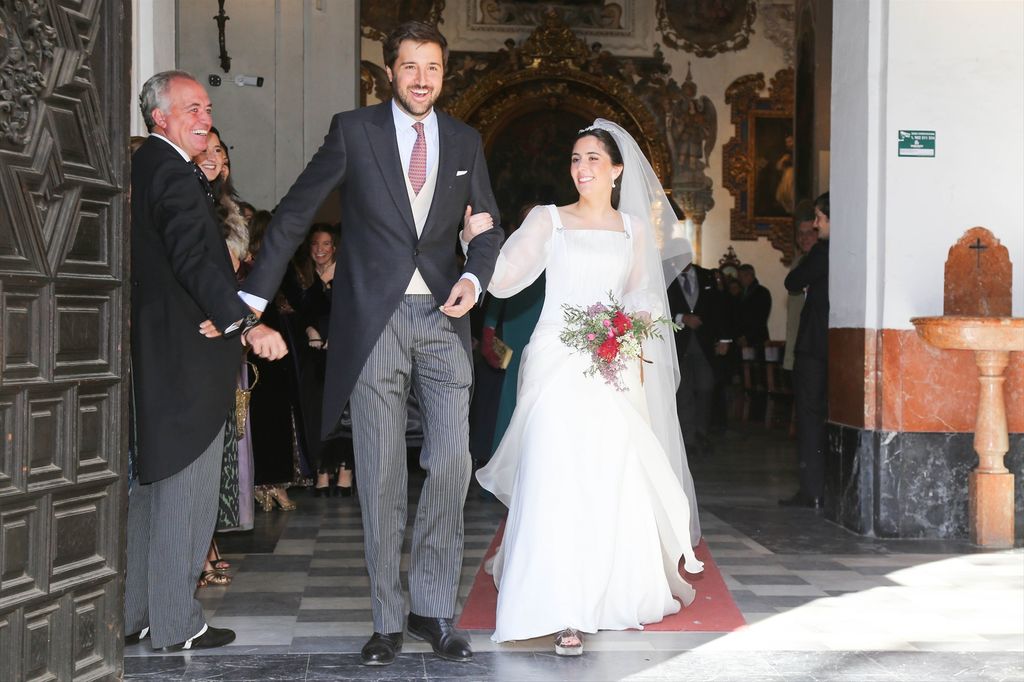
665	256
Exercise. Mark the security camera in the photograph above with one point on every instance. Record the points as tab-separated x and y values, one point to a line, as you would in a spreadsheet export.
255	81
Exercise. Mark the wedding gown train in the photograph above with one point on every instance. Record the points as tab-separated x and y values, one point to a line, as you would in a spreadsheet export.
598	518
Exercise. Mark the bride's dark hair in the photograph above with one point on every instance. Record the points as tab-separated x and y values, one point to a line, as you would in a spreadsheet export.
608	142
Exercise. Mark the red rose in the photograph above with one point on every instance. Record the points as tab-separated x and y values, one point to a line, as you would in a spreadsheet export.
622	323
608	350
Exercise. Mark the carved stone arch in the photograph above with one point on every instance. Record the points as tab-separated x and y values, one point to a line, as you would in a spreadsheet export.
494	102
529	99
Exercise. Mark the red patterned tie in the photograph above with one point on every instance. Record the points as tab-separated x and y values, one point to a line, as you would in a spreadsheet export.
418	162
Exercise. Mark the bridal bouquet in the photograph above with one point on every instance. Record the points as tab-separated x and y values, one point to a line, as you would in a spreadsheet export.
611	337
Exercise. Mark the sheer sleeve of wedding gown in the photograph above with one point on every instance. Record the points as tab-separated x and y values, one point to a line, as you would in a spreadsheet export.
524	255
638	294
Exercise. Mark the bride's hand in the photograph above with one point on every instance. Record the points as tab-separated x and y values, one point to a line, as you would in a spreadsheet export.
643	316
474	224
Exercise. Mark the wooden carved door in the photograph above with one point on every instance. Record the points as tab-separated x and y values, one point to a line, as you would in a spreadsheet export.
64	116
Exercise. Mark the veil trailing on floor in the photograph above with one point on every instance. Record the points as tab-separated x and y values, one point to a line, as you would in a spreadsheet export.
665	256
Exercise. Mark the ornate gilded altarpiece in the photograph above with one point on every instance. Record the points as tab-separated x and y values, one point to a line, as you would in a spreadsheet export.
758	160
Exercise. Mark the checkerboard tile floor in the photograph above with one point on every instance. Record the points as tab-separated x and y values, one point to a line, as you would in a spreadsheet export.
820	602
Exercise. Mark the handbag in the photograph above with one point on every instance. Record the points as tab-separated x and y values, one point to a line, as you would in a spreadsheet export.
502	351
242	396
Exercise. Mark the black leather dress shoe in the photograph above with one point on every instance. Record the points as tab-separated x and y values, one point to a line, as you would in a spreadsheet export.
381	649
801	500
447	642
211	639
136	637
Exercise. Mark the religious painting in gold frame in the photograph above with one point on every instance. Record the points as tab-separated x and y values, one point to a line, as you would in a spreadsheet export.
758	161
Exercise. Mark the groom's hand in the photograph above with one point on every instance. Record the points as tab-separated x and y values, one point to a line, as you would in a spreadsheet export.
461	300
266	342
472	225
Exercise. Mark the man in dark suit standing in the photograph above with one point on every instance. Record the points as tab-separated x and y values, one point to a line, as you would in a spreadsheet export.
698	309
183	368
407	175
810	372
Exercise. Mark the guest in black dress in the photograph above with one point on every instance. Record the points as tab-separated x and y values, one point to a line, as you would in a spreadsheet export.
333	457
271	403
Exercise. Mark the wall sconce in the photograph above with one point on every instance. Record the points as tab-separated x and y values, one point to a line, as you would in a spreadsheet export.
221	19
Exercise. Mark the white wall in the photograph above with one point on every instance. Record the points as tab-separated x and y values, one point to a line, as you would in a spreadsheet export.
955	67
153	48
307	51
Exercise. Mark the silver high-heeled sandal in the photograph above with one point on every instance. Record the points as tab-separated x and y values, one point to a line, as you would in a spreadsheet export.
569	642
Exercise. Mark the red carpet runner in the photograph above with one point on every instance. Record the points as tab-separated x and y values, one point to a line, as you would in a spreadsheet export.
712	611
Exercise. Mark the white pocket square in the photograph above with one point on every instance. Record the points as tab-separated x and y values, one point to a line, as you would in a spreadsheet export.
459	173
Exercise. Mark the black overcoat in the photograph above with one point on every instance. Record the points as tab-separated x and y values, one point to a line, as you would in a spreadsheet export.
181	274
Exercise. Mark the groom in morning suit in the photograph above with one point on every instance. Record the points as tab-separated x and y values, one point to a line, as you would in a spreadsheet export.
407	176
183	368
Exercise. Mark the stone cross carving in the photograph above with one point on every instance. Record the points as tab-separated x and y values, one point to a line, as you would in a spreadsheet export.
978	247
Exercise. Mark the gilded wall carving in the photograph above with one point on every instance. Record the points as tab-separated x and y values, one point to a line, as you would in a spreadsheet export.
706	28
603	16
379	18
758	160
692	128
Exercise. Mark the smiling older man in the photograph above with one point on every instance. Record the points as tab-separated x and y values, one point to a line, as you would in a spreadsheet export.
183	368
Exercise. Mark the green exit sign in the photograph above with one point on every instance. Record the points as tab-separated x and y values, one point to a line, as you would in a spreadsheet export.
917	143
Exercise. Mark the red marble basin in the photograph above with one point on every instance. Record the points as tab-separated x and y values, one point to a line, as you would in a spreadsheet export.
955	332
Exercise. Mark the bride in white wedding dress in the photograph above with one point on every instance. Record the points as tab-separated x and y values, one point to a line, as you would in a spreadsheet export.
601	502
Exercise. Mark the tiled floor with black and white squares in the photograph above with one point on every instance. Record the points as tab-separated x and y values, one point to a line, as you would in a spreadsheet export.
821	603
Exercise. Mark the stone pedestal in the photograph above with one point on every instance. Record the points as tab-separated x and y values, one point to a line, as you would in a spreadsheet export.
991	484
991	508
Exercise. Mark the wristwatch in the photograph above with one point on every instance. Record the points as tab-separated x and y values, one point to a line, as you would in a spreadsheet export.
248	322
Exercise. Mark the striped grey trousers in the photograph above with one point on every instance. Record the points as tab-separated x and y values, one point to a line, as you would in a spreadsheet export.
170	523
419	347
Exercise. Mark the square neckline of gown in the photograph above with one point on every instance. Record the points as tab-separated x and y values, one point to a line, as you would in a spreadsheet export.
557	218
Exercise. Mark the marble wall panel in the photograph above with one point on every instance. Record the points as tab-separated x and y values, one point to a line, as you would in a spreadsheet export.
850	371
908	485
892	380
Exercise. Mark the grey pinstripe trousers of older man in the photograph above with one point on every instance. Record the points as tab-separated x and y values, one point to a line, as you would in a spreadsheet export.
170	523
419	347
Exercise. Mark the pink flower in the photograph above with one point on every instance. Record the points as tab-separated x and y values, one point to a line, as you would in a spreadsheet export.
606	323
591	337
